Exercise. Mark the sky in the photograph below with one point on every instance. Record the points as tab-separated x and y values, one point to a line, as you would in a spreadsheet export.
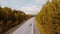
27	6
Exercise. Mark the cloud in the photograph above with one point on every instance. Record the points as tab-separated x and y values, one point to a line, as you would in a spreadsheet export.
38	1
34	9
30	9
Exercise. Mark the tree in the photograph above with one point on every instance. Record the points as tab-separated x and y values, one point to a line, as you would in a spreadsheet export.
48	18
10	18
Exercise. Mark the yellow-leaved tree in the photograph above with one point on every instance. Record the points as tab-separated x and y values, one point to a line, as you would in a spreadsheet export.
48	19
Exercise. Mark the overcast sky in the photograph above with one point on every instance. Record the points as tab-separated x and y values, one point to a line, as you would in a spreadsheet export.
28	6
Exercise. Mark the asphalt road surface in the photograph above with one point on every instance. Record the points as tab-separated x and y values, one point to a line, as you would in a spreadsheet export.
29	27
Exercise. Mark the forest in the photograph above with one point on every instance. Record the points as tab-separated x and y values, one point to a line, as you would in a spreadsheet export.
10	18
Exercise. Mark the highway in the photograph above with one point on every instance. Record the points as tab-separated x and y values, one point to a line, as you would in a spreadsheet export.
29	27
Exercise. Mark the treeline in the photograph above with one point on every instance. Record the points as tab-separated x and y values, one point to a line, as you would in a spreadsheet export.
10	18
